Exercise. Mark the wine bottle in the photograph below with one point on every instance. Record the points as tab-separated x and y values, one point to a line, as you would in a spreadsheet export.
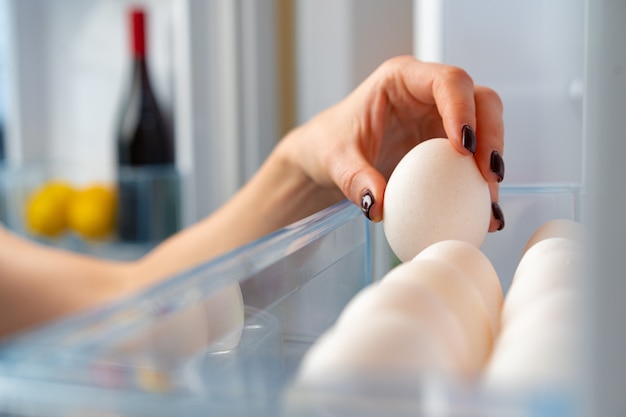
148	196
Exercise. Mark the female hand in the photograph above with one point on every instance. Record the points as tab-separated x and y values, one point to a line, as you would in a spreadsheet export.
348	150
356	144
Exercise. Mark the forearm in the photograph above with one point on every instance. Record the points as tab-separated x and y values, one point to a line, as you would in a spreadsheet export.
40	283
279	194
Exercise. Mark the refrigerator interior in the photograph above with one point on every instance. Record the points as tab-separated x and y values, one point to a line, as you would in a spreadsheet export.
160	352
535	63
69	65
213	69
3	80
116	359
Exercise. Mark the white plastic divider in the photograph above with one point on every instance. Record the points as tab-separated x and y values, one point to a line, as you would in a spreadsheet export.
605	108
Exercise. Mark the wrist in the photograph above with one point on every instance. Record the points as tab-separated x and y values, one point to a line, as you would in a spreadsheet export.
301	170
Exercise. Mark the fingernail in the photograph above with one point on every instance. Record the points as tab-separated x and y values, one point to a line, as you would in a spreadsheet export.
367	201
497	165
469	139
497	214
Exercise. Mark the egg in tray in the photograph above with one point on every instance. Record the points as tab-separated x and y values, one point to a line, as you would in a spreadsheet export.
441	314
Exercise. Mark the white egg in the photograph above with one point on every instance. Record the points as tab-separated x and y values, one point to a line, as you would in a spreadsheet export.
435	193
212	324
458	295
539	345
547	359
550	264
556	228
559	306
387	344
422	307
224	313
475	264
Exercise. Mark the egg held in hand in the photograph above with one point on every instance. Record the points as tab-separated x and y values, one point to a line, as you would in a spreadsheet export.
435	193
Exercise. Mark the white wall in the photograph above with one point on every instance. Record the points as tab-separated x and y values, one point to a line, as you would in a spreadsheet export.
225	102
531	53
71	62
212	64
339	42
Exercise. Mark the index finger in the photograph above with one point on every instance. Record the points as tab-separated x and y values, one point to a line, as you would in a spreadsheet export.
453	93
490	132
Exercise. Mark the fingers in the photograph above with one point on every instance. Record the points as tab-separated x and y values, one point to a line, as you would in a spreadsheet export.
439	96
472	117
448	88
490	148
454	95
490	133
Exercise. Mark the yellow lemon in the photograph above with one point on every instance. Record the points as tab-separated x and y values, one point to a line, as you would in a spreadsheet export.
45	208
91	211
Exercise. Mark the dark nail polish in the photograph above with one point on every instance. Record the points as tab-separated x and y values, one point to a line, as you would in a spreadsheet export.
497	165
497	214
367	201
469	139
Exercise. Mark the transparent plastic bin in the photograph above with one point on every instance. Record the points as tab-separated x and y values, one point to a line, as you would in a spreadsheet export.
526	208
295	283
154	194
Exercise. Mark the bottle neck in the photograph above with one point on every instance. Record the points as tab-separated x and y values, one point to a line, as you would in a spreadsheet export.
138	34
138	49
140	74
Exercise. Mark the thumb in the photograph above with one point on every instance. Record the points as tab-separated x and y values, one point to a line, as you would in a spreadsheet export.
364	185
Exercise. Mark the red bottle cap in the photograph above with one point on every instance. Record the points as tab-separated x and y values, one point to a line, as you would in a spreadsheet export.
138	33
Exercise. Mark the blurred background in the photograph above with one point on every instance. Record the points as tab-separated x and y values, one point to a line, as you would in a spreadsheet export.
233	76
